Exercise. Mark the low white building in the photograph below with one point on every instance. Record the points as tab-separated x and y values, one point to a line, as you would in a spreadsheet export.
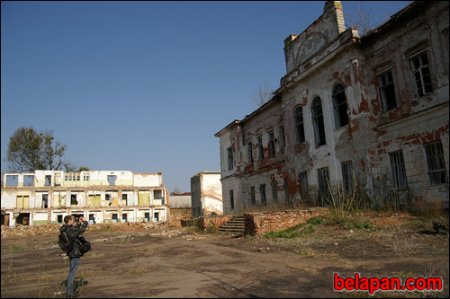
206	192
46	196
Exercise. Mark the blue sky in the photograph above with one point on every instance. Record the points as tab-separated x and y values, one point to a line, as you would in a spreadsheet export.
144	86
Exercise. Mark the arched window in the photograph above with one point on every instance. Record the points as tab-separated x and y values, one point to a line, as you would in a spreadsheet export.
299	124
319	127
340	106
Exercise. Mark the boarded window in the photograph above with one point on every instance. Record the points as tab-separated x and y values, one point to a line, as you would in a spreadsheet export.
318	124
340	106
324	181
22	202
232	199
28	180
300	130
250	152
271	144
94	200
421	74
347	176
436	163
398	170
12	180
144	198
230	158
262	192
387	91
275	191
252	195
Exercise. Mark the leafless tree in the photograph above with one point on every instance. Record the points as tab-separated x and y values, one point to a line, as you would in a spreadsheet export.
262	95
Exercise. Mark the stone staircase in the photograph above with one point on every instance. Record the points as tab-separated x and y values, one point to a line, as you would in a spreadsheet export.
234	226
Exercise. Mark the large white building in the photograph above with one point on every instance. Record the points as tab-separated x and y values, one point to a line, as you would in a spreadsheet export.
46	196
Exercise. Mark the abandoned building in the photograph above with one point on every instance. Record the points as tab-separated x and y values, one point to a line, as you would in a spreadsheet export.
46	196
206	192
352	112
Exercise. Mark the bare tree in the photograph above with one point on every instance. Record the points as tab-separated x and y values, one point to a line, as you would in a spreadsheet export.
361	21
262	95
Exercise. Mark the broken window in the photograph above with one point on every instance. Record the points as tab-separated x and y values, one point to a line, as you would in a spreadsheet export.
347	176
282	139
250	152
73	199
262	191
436	163
421	74
124	217
107	196
387	91
157	194
252	195
44	201
398	170
260	148
28	180
232	199
271	144
114	217
275	191
12	180
340	106
299	124
125	199
112	179
324	181
48	180
147	217
318	124
230	158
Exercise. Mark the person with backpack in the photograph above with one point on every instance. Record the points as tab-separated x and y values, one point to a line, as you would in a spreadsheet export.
73	230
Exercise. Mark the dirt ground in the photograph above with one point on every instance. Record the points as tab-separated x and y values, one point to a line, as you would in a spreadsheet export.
136	261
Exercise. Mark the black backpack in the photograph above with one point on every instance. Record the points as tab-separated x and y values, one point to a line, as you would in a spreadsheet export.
85	245
64	242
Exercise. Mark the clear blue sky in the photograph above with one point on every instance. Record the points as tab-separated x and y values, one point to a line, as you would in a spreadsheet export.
144	86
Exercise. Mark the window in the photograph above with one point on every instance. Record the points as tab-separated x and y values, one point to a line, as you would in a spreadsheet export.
114	217
230	158
271	144
282	139
260	148
303	182
112	179
73	199
347	176
124	218
387	91
125	199
12	180
59	218
157	194
107	196
319	127
436	163
275	191
44	201
147	217
421	74
324	181
340	106
250	152
252	195
69	176
48	180
398	170
86	177
232	199
299	124
28	180
262	191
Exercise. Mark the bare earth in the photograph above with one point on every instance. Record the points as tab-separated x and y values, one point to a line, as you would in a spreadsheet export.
132	261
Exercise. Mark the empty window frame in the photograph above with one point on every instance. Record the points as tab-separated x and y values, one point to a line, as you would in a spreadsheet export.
260	148
421	74
230	158
271	144
73	199
44	201
299	127
112	178
318	124
340	106
86	177
124	199
28	180
252	195
262	192
12	180
436	163
158	194
275	191
250	152
48	180
387	91
232	199
324	181
347	176
398	170
282	138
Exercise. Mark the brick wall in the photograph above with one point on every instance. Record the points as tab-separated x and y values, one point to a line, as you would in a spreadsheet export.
257	224
179	214
217	221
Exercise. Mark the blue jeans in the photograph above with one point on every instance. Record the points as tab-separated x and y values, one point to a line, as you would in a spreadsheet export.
74	263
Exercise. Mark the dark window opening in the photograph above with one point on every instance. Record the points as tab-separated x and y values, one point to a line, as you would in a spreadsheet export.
318	124
147	217
347	176
107	196
59	218
124	217
48	180
262	191
300	130
436	163
275	191
282	139
44	201
421	74
73	199
125	199
260	148
398	170
340	106
232	199
387	91
252	195
324	181
250	152
271	144
230	158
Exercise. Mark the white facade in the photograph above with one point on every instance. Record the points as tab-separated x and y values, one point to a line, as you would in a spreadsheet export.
206	192
46	196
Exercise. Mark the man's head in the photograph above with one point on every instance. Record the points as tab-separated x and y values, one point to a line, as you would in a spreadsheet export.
69	219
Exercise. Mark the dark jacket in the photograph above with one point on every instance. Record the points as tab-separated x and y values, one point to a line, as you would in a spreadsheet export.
75	231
